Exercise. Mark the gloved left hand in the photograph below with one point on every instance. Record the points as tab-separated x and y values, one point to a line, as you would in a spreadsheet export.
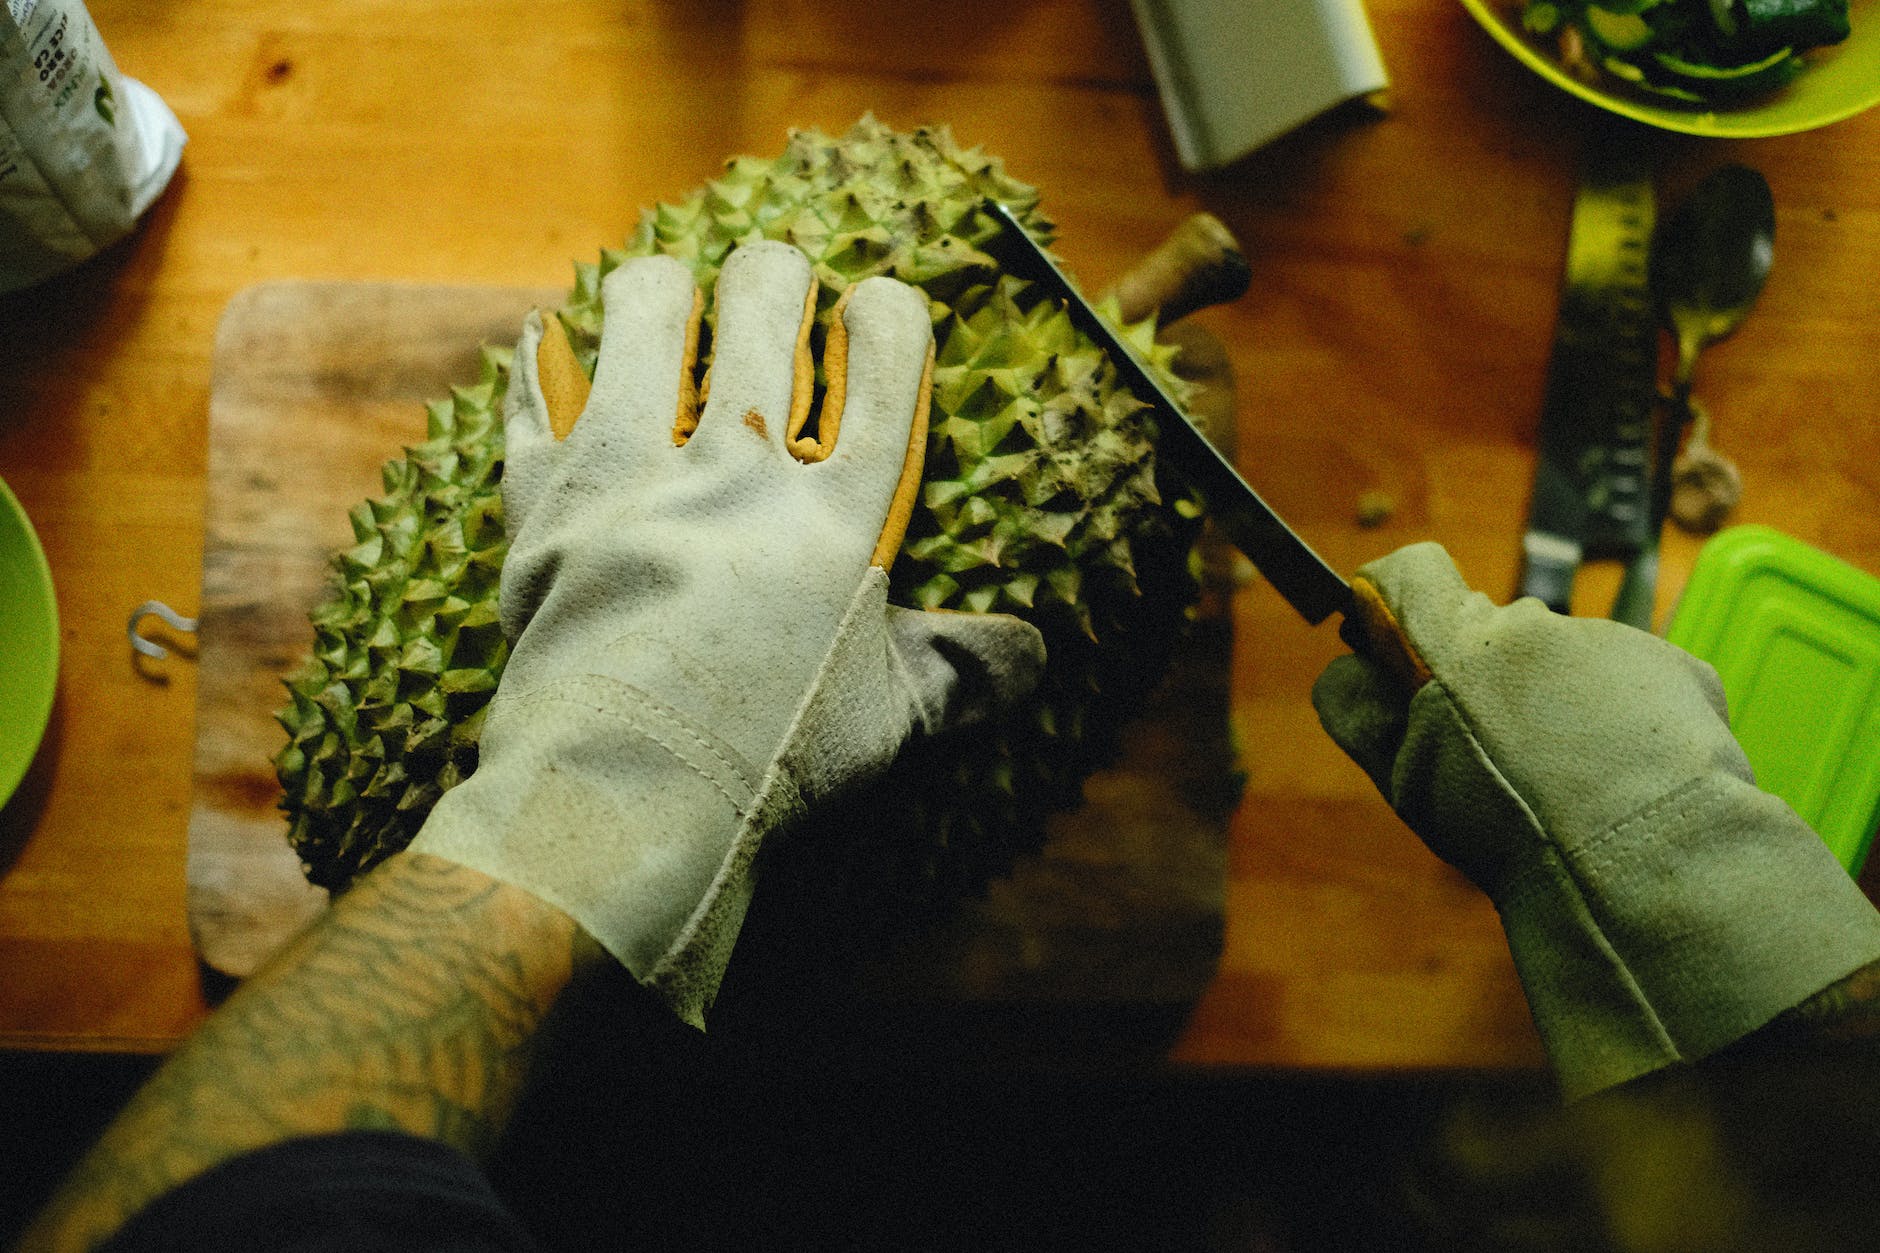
703	643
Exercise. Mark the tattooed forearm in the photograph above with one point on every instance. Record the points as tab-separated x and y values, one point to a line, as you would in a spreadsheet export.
409	1006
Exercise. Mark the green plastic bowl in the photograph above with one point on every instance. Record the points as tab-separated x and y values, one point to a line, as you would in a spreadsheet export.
29	642
1838	83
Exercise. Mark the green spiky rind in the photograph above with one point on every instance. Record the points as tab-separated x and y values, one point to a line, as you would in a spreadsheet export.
1040	498
383	716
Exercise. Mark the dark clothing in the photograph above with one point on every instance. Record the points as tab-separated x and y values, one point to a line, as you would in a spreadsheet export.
357	1192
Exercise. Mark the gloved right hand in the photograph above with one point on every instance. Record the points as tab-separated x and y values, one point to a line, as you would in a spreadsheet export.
1582	773
703	643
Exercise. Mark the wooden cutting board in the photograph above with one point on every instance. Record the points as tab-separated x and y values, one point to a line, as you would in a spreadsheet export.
316	384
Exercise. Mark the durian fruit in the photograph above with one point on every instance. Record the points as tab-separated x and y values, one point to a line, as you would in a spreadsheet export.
1042	498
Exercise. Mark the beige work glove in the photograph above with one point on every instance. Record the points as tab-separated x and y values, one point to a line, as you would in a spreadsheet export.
703	644
1582	773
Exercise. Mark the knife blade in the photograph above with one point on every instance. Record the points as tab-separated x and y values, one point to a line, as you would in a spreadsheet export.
1296	572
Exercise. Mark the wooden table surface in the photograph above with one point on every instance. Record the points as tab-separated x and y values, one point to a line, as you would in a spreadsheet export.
1405	278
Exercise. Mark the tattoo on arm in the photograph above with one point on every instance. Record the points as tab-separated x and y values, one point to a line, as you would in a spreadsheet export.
409	1006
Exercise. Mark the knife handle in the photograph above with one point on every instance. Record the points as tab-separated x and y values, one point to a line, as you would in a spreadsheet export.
1372	630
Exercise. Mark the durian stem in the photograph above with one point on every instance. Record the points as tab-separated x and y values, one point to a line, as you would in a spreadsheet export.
1198	265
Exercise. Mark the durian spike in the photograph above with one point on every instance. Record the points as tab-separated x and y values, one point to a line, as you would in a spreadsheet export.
1202	361
1198	265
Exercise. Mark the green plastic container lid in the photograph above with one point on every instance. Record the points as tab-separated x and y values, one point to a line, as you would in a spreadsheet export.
1795	635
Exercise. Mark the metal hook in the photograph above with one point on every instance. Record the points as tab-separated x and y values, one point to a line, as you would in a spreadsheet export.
170	617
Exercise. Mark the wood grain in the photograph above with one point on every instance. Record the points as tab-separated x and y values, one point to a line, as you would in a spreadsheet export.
1405	276
315	386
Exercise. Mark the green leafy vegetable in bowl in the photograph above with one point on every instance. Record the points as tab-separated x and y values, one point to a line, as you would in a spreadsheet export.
1704	52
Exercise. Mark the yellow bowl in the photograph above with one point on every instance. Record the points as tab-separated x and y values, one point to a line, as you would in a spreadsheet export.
1838	83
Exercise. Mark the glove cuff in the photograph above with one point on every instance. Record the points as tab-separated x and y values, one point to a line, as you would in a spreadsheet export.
1683	928
643	825
633	820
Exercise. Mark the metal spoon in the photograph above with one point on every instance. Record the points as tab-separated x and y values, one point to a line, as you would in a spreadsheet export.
1710	259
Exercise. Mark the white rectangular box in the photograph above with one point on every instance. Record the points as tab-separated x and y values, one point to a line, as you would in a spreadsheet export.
1236	73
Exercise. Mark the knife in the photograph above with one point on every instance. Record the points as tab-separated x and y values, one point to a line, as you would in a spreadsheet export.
1297	572
1591	497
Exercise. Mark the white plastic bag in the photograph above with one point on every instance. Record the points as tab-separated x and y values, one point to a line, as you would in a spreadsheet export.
83	150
